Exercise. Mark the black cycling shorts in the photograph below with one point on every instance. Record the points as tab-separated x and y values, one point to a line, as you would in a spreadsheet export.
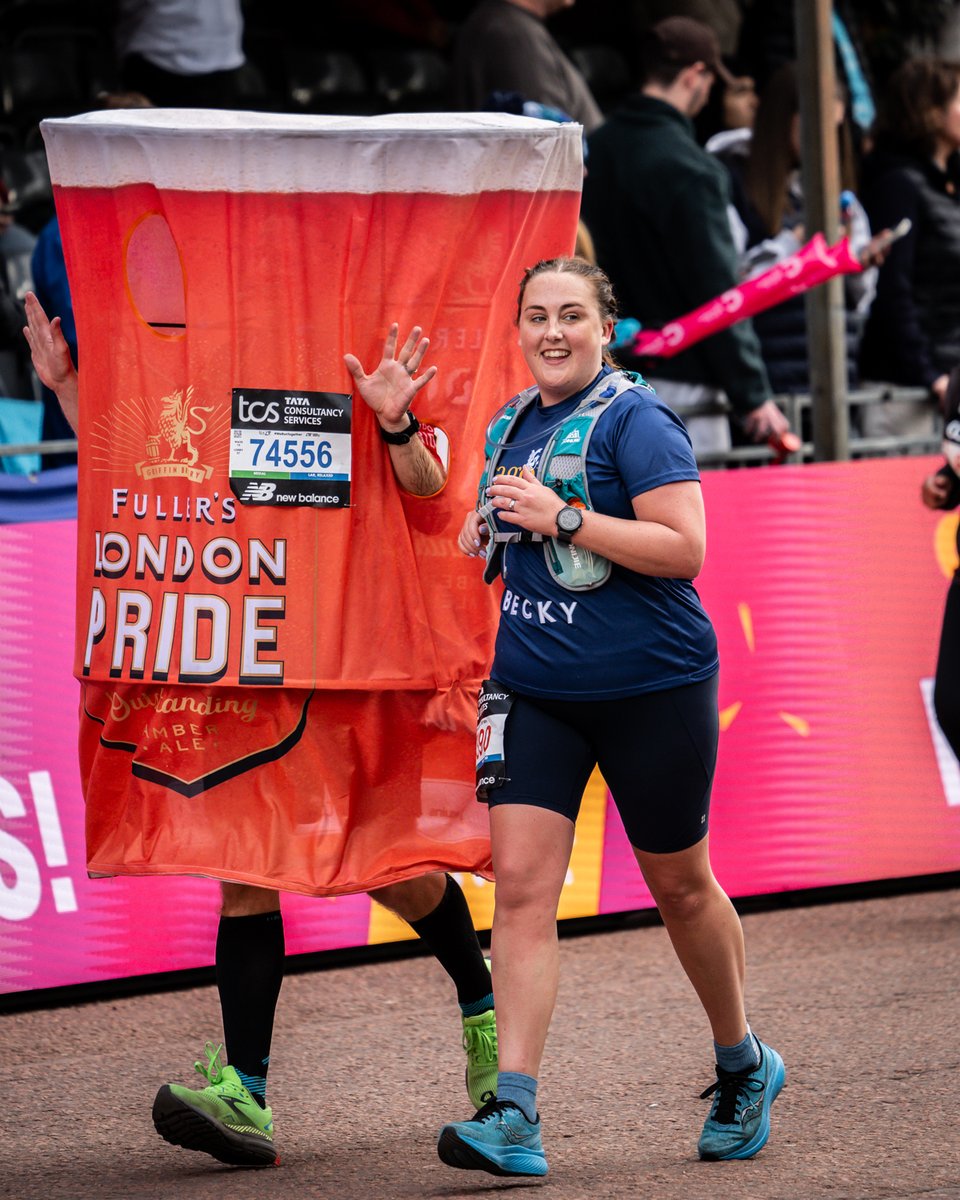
657	753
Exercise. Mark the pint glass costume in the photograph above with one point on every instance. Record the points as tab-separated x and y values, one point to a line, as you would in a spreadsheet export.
279	651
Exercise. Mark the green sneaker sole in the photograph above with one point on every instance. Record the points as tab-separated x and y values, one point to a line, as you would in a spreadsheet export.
181	1125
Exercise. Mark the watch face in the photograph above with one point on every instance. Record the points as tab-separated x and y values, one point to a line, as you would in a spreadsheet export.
569	520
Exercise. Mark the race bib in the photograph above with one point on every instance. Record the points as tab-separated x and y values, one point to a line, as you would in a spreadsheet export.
493	706
290	448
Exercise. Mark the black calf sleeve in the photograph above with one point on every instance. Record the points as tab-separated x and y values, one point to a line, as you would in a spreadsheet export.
450	934
250	954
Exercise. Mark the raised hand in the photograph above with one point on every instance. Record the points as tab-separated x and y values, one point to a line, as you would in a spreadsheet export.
391	387
51	358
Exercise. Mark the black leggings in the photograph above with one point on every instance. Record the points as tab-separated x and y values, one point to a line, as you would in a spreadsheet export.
946	690
656	752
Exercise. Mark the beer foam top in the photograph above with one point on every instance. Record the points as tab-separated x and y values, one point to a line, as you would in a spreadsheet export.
207	150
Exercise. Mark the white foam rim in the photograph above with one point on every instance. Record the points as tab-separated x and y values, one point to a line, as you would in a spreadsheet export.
221	150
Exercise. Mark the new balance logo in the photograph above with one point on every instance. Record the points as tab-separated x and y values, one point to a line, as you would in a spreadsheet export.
258	492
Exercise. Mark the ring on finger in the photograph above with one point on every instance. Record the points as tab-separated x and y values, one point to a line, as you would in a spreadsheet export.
513	503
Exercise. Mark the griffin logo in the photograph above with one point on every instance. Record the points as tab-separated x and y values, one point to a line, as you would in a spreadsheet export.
178	424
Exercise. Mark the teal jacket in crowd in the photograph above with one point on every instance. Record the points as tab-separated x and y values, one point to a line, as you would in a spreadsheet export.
655	203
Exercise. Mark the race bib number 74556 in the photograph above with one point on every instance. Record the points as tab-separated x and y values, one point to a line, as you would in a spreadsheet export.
290	448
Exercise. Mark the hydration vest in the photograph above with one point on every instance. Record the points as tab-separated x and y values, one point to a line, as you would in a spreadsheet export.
563	467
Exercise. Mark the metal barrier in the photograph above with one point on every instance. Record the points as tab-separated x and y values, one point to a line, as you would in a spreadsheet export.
63	446
796	407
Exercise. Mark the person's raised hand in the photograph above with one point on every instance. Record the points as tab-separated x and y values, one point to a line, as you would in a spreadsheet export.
48	347
391	387
52	360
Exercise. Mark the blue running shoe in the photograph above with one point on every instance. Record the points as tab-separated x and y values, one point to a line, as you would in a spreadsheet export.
498	1139
739	1122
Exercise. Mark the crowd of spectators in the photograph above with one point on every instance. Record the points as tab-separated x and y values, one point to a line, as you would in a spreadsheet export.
764	161
691	121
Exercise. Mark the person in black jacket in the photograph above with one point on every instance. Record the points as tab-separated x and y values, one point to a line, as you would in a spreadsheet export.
768	197
15	375
942	490
913	332
656	204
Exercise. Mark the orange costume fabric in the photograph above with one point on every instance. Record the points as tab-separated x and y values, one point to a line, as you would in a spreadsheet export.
279	650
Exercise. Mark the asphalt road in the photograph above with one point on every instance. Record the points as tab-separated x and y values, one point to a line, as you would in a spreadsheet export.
862	999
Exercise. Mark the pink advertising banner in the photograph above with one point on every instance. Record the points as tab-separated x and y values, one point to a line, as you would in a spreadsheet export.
826	585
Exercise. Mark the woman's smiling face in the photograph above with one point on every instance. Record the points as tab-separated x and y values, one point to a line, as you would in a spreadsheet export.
562	335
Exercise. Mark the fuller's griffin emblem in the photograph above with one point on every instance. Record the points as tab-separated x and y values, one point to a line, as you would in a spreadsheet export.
175	427
181	420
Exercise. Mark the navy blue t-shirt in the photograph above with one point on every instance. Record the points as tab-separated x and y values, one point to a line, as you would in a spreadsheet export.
635	633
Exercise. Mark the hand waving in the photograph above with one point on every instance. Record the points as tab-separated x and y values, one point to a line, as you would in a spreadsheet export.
48	347
389	389
51	357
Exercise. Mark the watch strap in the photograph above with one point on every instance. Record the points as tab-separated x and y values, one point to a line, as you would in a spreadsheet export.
404	436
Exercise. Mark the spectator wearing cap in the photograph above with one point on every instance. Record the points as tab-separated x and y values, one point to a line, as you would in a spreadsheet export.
505	46
657	206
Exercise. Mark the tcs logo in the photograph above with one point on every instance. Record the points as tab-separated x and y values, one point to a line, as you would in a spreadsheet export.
259	410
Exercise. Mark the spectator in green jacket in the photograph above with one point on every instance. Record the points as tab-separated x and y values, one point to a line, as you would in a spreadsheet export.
656	205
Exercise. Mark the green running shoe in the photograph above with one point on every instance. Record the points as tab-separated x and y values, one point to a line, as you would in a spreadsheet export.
480	1043
223	1120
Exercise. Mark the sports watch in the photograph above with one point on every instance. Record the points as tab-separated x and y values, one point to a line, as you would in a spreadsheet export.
569	521
404	436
